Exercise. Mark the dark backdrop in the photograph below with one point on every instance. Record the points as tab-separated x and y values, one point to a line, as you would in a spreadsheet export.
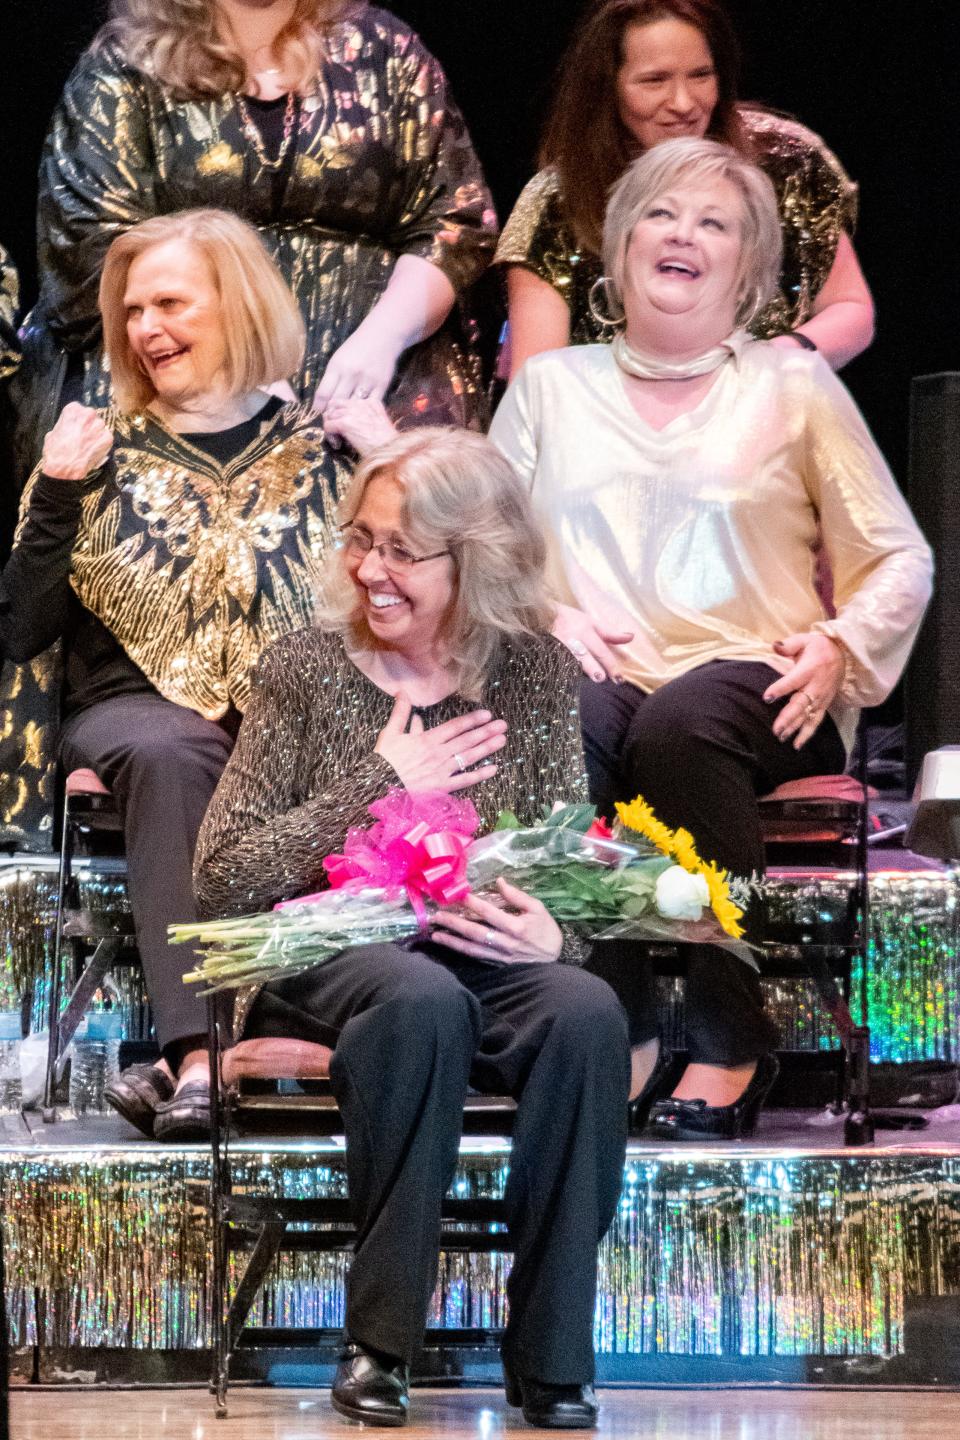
877	78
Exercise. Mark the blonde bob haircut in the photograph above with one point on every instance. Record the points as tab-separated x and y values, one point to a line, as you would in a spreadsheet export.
187	46
263	329
460	495
679	165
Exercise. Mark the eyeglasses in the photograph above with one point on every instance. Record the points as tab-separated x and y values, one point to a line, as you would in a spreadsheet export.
394	556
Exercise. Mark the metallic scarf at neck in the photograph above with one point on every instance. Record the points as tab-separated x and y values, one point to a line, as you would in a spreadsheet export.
651	367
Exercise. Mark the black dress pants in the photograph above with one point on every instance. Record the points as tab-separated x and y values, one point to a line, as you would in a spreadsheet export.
700	750
411	1030
162	763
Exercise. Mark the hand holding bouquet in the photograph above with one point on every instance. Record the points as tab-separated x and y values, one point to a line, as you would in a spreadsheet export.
642	881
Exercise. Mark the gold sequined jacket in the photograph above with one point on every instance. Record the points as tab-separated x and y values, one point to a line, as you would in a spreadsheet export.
816	199
9	300
383	166
304	768
193	567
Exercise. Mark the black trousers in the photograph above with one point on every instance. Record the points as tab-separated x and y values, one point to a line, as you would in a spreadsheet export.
700	750
411	1030
162	763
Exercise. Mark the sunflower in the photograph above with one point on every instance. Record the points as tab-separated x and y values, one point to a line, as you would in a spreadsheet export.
639	817
727	912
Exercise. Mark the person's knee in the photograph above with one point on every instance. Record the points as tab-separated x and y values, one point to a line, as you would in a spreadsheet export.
164	758
586	1014
424	998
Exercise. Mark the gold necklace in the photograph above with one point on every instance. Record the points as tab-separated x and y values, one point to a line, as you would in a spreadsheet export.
256	139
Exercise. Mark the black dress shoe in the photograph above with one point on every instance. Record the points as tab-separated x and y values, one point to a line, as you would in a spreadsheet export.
638	1111
369	1392
552	1407
186	1116
673	1119
137	1093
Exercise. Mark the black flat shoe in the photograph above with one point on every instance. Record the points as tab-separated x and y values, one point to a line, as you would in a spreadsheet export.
368	1392
552	1407
673	1119
137	1094
186	1116
638	1111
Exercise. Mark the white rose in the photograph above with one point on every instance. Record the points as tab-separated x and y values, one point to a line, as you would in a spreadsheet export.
680	895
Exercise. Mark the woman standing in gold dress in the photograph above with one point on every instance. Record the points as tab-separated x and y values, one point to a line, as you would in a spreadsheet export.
325	124
639	72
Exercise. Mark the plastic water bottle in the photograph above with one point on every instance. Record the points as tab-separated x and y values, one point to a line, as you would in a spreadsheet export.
94	1059
10	1085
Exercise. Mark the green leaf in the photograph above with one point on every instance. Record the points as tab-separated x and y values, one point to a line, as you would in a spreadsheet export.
506	820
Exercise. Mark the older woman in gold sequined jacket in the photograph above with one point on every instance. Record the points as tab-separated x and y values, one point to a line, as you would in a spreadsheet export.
324	123
165	543
639	72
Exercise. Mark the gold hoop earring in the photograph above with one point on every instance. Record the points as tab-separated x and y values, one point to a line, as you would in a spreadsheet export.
602	287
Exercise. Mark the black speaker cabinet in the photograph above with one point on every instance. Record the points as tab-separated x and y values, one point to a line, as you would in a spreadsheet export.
933	675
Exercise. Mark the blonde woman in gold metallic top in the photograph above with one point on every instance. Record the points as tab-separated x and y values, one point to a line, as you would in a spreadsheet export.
683	474
326	125
431	670
638	72
165	543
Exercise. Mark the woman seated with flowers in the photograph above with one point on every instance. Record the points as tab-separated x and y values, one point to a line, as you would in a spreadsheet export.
683	474
433	671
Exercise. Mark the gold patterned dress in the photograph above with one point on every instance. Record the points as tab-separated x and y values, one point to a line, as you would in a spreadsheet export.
9	301
815	196
192	567
381	165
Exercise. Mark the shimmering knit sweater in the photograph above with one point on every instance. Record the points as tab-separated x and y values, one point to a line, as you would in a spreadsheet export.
304	768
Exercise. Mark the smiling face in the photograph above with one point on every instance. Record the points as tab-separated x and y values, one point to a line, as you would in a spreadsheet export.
405	608
684	256
173	319
667	83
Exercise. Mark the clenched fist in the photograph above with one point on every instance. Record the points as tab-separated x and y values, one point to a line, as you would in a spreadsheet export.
77	445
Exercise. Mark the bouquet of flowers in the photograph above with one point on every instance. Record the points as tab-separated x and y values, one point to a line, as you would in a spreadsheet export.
638	879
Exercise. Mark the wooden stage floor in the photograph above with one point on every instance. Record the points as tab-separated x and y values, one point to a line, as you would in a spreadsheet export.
479	1414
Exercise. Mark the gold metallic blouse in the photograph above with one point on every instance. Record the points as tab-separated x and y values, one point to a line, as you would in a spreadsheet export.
699	537
816	199
383	166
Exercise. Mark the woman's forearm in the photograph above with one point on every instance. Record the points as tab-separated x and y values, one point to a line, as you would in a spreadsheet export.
417	300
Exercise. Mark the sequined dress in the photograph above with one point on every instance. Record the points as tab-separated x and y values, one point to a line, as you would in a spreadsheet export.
381	166
304	768
9	300
193	567
816	199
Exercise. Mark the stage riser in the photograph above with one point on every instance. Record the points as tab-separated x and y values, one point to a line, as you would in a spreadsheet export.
914	970
723	1258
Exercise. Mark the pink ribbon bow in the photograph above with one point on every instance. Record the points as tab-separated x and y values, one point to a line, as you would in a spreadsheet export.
418	845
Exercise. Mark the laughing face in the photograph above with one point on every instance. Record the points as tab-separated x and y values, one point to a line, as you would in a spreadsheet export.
666	84
685	252
174	325
405	607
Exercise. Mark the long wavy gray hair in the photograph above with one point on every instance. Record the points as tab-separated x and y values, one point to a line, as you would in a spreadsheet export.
461	495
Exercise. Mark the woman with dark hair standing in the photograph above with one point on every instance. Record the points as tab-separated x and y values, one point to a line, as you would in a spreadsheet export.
645	71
